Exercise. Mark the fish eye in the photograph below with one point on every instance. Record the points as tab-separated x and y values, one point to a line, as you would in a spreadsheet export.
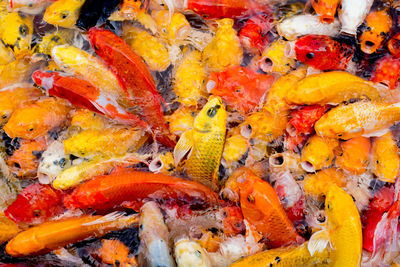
23	30
212	111
250	198
4	116
31	129
64	14
310	55
36	213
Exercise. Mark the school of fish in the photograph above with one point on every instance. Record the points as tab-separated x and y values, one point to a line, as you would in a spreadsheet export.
200	133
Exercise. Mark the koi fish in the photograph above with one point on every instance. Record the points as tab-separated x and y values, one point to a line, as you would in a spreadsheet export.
6	55
140	88
57	234
36	204
241	88
190	253
182	119
353	155
92	143
16	31
163	163
77	174
386	71
299	25
273	59
27	6
224	50
288	10
286	256
157	58
36	119
115	252
52	39
385	158
261	207
153	234
189	76
316	184
318	153
25	160
84	119
322	52
12	98
22	68
393	45
83	94
304	118
174	29
381	203
204	143
8	229
254	34
64	13
344	227
236	146
331	87
377	27
357	119
76	61
120	188
326	9
352	13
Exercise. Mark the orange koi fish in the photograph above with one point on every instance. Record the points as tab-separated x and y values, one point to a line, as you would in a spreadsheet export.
326	9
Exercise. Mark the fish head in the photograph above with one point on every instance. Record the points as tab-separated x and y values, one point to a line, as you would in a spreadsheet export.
18	30
375	30
212	117
311	49
99	39
326	9
35	204
63	13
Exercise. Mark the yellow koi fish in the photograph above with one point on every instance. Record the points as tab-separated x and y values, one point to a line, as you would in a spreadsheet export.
224	50
353	155
316	185
6	56
332	87
318	153
204	144
16	30
76	61
63	13
344	228
182	119
189	79
357	119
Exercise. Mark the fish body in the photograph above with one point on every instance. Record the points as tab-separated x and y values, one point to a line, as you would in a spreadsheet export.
385	160
344	227
261	207
182	119
304	118
317	184
190	253
11	99
27	6
331	87
140	87
84	119
354	155
285	256
57	234
225	8
25	160
241	88
254	34
77	174
304	24
224	50
76	61
381	203
34	120
6	55
107	191
157	58
52	39
326	9
352	13
8	229
115	252
16	31
377	27
205	143
190	75
22	68
109	142
36	204
323	53
153	234
63	13
83	94
357	119
387	71
236	146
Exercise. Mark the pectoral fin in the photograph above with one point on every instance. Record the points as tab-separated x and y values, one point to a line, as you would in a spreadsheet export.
183	147
318	242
